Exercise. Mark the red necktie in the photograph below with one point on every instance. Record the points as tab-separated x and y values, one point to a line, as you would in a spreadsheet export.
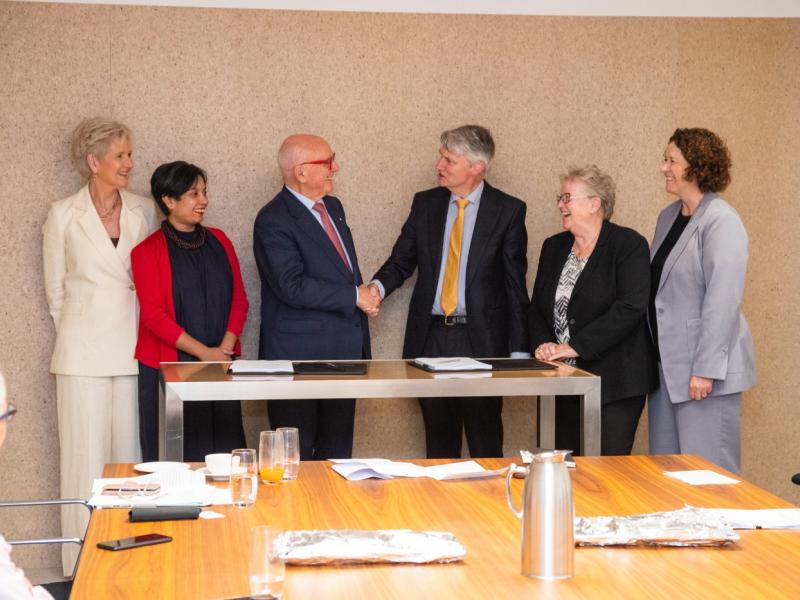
319	206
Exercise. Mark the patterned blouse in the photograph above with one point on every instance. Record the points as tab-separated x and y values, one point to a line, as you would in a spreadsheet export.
566	283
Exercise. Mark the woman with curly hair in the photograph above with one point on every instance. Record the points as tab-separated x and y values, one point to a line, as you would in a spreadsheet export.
703	344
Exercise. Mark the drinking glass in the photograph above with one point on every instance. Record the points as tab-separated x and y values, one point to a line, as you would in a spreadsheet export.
244	477
271	462
291	450
266	565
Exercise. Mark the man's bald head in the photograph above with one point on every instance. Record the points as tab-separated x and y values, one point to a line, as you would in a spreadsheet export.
297	149
301	159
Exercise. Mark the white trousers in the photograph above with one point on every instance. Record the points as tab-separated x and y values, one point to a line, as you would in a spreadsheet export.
98	423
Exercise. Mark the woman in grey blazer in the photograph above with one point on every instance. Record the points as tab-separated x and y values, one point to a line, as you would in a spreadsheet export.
703	343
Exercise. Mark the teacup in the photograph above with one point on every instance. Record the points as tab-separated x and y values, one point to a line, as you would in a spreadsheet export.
218	464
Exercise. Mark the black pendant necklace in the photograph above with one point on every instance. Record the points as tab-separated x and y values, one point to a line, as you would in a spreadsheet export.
197	242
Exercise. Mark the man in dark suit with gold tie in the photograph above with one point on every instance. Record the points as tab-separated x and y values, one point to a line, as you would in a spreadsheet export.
468	242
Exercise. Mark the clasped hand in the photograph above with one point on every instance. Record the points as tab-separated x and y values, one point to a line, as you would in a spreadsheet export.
551	351
369	299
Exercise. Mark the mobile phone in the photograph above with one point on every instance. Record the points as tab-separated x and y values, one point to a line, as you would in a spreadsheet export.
134	542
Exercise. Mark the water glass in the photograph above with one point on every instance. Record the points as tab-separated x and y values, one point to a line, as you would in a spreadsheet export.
271	462
244	477
266	565
291	451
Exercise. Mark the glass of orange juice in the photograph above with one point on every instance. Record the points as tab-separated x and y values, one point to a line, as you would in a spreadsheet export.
271	459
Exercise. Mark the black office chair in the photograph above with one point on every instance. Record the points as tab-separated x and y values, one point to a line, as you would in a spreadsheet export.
60	590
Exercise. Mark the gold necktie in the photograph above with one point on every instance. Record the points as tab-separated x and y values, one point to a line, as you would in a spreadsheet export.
450	284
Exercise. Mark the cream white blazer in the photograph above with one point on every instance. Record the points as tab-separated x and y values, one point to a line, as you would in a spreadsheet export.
89	286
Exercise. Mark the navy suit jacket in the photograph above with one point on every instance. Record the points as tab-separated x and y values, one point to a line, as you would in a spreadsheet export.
497	299
308	294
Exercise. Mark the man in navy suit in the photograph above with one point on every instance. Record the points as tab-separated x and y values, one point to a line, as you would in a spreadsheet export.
314	304
468	243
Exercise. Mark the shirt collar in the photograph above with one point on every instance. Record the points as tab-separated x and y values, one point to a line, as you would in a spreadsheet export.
306	201
474	196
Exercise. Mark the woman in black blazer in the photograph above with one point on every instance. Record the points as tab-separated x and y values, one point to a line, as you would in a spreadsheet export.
588	309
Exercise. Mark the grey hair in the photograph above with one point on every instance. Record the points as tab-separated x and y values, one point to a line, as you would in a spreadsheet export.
599	183
473	142
94	136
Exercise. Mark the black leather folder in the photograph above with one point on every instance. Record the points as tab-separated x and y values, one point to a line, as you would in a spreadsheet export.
329	368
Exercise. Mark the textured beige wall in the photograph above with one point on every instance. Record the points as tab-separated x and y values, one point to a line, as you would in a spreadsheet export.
222	88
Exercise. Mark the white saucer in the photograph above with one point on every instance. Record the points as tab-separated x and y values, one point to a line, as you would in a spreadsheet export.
220	476
155	467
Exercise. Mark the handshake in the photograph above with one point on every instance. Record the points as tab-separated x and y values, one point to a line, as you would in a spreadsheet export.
369	299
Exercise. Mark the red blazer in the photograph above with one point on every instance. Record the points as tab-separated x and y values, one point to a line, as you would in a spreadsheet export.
152	275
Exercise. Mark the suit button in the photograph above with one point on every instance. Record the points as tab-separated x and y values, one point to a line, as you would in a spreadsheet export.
132	287
572	321
661	311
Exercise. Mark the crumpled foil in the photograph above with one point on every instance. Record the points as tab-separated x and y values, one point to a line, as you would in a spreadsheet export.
348	546
685	527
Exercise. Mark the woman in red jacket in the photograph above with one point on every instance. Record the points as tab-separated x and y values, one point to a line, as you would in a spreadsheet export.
192	307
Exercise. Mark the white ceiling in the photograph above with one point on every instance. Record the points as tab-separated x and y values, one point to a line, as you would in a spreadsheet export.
647	8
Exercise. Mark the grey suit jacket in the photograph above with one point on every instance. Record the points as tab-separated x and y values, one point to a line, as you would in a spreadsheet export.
701	328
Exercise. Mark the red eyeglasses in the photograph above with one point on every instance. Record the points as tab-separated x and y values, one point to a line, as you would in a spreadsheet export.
322	161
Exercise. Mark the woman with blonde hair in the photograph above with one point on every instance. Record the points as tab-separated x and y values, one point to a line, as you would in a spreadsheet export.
88	238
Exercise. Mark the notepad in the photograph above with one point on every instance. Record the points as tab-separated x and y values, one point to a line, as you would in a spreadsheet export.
452	363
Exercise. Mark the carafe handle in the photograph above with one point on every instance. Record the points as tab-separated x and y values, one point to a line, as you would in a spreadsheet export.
511	470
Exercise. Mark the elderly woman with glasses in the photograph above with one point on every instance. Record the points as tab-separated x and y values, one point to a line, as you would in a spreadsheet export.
704	348
88	239
193	308
13	583
589	306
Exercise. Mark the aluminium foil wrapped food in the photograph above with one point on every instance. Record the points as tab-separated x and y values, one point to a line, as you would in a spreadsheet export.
685	527
349	546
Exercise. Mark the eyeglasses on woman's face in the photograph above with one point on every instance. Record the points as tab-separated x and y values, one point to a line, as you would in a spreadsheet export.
566	197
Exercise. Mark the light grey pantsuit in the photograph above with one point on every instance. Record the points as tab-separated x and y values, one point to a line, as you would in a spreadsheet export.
702	332
709	427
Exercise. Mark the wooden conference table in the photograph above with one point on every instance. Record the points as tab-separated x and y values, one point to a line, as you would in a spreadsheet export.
208	558
186	382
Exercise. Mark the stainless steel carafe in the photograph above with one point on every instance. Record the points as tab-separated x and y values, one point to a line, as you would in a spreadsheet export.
548	546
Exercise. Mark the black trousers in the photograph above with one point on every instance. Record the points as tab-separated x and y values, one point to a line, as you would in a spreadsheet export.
619	420
444	418
325	426
208	427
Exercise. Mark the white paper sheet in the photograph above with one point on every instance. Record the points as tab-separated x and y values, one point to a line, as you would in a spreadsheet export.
701	477
263	367
178	488
763	518
357	469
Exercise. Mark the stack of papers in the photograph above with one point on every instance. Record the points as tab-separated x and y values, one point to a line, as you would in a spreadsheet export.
356	469
455	363
261	367
179	487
